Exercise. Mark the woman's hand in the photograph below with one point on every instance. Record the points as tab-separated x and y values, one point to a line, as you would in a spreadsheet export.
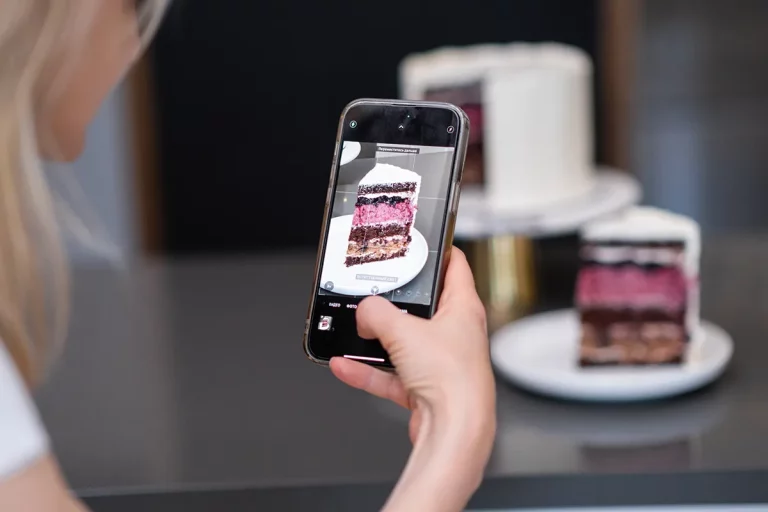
444	376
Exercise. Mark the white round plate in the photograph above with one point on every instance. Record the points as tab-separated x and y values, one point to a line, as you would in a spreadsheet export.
611	192
385	275
350	151
540	354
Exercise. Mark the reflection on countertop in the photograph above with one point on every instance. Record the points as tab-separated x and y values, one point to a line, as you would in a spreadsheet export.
191	374
661	436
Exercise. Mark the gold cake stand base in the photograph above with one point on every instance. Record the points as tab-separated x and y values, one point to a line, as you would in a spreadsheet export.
504	269
503	258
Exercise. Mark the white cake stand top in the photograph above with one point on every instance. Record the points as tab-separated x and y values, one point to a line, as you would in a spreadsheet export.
612	191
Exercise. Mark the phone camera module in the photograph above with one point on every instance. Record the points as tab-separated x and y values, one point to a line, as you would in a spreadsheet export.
451	129
353	124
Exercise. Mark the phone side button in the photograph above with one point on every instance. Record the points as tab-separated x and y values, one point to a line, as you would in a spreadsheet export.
455	201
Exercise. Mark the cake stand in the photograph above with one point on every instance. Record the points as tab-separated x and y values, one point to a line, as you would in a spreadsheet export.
500	249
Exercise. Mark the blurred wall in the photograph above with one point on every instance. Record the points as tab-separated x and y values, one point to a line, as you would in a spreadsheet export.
249	95
700	131
99	187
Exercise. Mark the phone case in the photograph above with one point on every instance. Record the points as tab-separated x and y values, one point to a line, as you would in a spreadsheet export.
453	205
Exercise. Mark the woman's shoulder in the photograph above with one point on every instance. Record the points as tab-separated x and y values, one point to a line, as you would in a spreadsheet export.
22	437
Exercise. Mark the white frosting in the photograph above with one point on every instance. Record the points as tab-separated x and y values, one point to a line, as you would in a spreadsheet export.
384	223
537	136
383	174
537	109
639	255
643	223
383	240
452	66
389	194
386	173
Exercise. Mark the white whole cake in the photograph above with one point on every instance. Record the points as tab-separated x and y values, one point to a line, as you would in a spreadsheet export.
530	110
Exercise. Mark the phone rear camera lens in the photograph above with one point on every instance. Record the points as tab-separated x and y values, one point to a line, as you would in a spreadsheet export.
451	129
353	124
401	127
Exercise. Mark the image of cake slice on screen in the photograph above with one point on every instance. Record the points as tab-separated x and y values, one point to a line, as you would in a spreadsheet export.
637	291
385	211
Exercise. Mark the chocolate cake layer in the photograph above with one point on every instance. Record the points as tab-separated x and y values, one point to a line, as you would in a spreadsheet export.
635	355
633	344
390	200
377	249
359	260
586	363
590	263
650	244
602	317
648	332
396	242
360	234
386	188
587	264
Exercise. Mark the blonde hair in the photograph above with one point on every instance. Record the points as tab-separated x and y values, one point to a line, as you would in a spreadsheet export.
34	274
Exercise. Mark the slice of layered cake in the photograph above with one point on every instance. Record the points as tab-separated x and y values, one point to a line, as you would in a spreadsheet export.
637	290
385	211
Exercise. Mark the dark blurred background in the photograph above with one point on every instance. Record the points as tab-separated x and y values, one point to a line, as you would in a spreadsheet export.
232	115
249	95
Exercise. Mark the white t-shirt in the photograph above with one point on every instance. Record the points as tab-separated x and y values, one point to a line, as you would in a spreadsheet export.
23	440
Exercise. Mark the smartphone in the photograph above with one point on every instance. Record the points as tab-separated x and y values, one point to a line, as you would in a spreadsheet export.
390	211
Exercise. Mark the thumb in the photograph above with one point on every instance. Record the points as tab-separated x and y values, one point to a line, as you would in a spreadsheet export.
377	318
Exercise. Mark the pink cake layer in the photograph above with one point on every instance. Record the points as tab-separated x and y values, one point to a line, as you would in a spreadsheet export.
632	287
380	213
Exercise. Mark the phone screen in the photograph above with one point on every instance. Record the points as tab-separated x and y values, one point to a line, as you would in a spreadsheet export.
388	204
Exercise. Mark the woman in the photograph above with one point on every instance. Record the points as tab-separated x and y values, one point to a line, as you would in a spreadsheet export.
58	60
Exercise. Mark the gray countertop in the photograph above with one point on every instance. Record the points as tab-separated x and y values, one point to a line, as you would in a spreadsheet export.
186	381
